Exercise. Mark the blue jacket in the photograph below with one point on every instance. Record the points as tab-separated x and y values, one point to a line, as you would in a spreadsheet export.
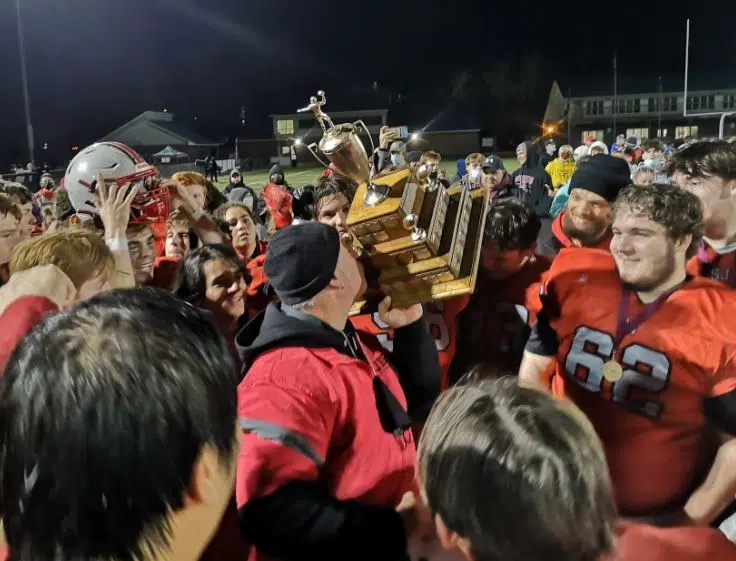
560	200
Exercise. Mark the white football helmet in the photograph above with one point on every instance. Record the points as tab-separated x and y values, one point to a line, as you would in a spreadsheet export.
121	165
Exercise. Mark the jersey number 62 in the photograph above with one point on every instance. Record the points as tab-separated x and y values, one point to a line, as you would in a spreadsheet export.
644	369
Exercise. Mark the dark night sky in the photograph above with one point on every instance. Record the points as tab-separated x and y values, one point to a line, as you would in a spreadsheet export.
94	64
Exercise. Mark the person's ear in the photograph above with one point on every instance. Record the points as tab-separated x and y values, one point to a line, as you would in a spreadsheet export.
731	186
684	242
203	482
450	540
336	283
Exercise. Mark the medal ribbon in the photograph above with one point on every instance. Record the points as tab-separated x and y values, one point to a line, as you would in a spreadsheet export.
624	327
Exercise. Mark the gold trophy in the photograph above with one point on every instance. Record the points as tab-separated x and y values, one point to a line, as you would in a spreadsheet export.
424	238
343	147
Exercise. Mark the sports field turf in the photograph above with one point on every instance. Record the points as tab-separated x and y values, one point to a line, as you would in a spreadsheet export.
305	175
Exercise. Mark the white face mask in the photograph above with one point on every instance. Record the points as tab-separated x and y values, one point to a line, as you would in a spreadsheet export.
397	160
475	174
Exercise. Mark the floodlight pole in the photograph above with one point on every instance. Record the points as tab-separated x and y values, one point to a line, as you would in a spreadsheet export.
24	81
687	65
659	108
569	116
615	92
687	68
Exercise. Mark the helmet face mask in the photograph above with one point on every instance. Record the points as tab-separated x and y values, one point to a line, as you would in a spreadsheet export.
119	165
151	205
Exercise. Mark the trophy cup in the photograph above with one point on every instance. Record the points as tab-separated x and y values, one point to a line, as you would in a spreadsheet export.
342	146
423	238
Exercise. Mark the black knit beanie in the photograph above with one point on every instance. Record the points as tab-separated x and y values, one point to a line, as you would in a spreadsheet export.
301	261
603	175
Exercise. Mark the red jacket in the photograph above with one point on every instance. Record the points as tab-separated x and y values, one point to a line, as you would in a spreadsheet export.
637	542
316	459
18	319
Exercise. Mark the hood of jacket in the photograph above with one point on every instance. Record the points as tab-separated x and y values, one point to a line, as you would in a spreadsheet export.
275	328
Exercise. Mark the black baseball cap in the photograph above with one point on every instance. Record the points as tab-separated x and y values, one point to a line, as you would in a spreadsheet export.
493	163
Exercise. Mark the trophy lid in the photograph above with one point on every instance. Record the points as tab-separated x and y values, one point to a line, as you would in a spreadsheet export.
336	137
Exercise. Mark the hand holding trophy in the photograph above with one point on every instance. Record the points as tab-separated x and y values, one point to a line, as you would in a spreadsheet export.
424	238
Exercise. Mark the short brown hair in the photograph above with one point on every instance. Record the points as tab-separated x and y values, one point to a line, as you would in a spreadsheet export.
679	211
79	253
704	159
222	210
333	184
475	157
19	193
430	155
187	178
177	218
135	229
489	443
8	205
652	144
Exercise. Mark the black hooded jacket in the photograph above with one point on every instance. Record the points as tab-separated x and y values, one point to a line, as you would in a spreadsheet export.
530	183
301	519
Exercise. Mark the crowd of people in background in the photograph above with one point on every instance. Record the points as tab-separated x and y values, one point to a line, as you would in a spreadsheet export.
184	374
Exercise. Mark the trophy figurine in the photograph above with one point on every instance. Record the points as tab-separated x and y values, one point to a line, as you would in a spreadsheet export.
421	240
343	147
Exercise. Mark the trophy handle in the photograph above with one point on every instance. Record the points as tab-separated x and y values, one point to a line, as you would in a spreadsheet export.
311	148
362	125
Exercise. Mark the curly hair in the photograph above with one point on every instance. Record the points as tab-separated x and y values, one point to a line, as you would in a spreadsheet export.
704	159
333	184
9	206
187	178
20	193
511	225
679	211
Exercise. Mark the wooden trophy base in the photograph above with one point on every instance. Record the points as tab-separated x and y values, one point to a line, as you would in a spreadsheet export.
445	276
383	222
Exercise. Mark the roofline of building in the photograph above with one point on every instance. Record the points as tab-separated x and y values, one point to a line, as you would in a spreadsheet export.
670	116
125	125
158	125
454	131
132	121
337	114
172	133
725	91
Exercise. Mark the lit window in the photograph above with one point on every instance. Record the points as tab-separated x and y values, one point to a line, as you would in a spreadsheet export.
597	135
639	133
285	127
683	132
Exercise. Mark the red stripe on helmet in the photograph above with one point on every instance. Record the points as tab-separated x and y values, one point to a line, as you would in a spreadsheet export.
135	156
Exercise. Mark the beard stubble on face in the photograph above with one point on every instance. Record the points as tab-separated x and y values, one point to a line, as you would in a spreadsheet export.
584	237
662	270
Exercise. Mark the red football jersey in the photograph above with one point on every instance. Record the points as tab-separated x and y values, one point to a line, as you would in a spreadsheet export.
651	421
494	326
710	264
440	316
637	542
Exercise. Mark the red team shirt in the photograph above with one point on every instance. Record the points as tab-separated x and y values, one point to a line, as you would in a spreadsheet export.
496	319
651	422
494	326
440	316
710	264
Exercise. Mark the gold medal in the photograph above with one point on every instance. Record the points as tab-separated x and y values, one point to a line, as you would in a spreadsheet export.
613	371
